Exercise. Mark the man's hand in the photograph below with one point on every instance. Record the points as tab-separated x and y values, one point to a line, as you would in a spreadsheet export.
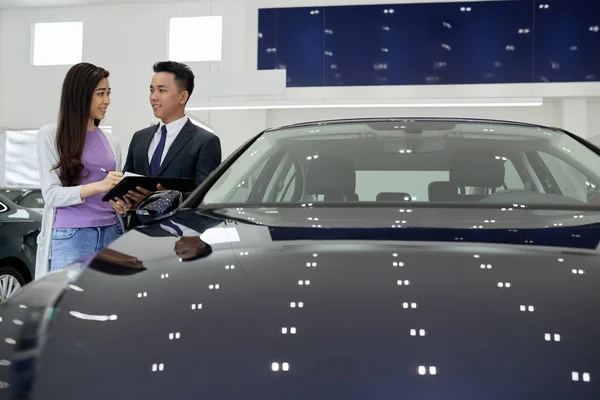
121	206
141	194
138	195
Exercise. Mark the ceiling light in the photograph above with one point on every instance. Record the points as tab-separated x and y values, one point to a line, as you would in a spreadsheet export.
202	125
433	103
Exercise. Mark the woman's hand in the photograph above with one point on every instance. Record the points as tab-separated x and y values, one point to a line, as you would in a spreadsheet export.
103	186
121	206
111	180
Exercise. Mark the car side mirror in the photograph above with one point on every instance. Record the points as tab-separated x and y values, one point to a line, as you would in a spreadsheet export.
160	203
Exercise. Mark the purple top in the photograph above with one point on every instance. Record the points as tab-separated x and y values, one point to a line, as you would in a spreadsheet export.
93	212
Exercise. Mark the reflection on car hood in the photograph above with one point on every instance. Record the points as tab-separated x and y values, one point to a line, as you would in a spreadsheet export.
266	310
515	224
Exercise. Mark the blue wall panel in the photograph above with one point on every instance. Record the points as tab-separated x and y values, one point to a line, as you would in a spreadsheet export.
267	39
567	41
516	41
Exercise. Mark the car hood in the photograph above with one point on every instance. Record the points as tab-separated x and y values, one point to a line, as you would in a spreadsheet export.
342	311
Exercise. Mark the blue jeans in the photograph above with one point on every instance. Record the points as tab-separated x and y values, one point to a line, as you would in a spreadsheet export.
72	244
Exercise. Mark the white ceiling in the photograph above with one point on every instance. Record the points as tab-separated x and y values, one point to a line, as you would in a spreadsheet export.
60	3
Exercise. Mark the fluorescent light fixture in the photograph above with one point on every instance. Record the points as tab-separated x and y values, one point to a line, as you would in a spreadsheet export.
57	43
202	125
416	103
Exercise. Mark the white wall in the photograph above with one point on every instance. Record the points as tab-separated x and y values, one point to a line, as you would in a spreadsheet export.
234	127
594	117
125	39
128	39
593	123
2	135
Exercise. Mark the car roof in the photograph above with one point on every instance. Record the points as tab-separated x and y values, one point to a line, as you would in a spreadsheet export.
410	119
17	189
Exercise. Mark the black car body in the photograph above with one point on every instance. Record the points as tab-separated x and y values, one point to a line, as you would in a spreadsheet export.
327	298
19	228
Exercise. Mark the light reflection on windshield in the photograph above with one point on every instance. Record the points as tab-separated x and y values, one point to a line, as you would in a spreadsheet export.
415	161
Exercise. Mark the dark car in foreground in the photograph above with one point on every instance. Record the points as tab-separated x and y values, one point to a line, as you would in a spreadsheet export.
19	228
354	259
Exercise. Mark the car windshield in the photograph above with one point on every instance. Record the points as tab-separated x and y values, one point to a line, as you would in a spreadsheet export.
416	161
11	194
33	199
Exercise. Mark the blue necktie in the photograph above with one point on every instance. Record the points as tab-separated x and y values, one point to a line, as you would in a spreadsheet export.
157	156
173	226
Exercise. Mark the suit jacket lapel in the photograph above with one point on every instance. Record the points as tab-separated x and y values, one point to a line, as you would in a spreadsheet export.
146	146
180	141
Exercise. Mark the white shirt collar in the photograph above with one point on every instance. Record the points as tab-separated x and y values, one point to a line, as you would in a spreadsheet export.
175	126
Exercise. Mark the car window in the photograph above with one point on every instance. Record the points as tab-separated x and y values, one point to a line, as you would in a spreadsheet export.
370	184
291	181
32	200
417	161
12	195
512	180
280	180
242	192
571	182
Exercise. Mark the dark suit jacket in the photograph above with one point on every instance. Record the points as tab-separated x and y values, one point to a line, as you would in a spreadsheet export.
195	153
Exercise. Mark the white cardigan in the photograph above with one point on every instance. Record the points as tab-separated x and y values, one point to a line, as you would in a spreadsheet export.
53	193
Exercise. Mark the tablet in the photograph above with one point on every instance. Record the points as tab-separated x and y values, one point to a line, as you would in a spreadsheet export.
150	182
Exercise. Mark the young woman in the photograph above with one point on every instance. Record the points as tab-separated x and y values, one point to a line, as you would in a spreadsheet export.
73	156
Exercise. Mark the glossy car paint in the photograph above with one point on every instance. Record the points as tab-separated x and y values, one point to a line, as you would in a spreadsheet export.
19	228
26	197
370	303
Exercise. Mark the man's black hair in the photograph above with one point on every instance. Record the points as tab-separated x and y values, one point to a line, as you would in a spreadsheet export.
184	77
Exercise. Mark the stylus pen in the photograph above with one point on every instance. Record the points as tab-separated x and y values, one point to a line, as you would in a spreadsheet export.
103	170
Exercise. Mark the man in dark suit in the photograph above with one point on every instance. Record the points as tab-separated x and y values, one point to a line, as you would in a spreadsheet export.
176	147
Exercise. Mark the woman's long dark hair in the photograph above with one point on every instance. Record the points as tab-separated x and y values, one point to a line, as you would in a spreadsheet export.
75	102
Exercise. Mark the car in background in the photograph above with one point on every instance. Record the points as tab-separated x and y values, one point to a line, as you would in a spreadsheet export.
25	197
19	228
413	258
